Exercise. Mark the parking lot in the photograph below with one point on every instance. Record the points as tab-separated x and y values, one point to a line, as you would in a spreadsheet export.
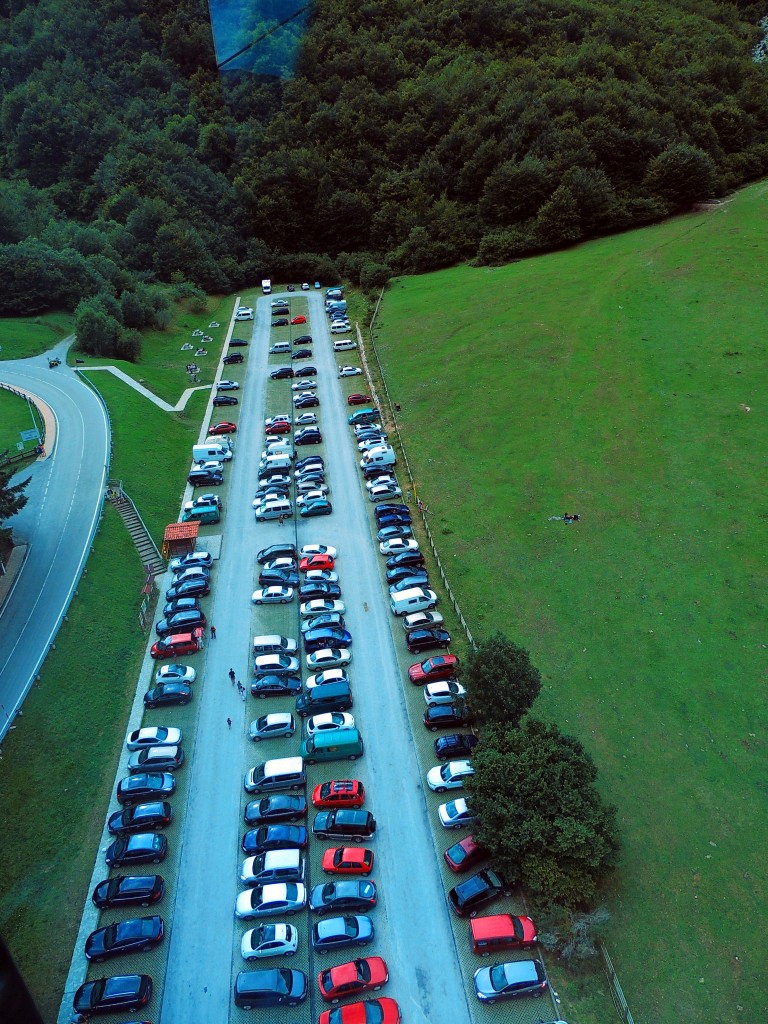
422	942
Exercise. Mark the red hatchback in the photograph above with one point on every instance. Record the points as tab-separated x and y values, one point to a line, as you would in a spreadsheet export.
350	979
339	793
348	860
359	400
316	562
464	855
298	320
439	667
223	428
369	1011
281	427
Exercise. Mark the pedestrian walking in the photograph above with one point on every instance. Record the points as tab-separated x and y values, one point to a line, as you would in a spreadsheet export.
232	676
280	521
242	693
229	722
213	632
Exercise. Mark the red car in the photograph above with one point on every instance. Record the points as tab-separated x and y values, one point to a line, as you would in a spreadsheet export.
348	860
281	427
464	855
223	428
350	979
440	666
370	1011
316	562
298	320
339	793
178	643
359	400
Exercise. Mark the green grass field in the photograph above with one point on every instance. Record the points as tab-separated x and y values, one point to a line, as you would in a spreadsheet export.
611	380
20	337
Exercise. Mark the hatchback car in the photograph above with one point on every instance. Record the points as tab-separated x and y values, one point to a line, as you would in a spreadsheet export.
348	860
383	492
305	401
181	604
329	721
316	507
446	691
168	695
306	419
394	530
326	636
455	745
282	373
144	848
281	427
269	940
129	891
464	855
284	898
282	321
339	793
119	994
136	935
346	894
358	399
440	666
402	573
267	727
159	759
369	1011
276	808
220	400
443	716
469	896
456	814
352	978
137	789
334	933
278	578
510	980
274	837
298	320
140	818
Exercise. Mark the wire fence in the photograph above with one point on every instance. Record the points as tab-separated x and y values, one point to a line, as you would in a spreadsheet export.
393	422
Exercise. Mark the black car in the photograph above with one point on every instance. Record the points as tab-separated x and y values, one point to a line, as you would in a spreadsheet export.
340	932
275	686
414	559
129	891
205	477
113	995
168	695
279	807
136	935
276	551
346	894
310	460
278	577
290	287
387	508
326	636
393	519
181	604
241	342
220	400
140	818
144	848
236	357
137	789
310	435
180	622
281	322
302	353
303	339
310	371
443	715
309	591
455	746
305	401
196	585
282	372
403	572
428	639
276	986
484	887
275	837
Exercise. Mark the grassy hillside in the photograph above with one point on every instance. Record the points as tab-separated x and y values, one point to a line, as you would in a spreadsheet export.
613	380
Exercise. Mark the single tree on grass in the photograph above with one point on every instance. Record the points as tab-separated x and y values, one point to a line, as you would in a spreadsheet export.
502	682
540	814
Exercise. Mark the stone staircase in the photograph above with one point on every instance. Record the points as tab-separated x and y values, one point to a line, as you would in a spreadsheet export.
151	558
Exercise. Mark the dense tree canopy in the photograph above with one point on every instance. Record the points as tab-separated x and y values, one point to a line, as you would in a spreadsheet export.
409	136
502	682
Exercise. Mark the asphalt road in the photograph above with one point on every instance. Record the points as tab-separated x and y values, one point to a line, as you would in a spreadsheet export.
65	500
413	929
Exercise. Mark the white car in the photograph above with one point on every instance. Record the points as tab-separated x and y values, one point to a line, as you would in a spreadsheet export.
331	675
227	385
398	544
270	940
385	480
312	464
328	658
276	898
273	595
317	549
192	559
277	723
321	605
280	418
306	419
275	664
244	313
304	384
302	499
349	371
384	492
450	775
321	576
303	488
443	692
330	722
153	736
455	814
422	620
372	442
279	563
175	674
305	287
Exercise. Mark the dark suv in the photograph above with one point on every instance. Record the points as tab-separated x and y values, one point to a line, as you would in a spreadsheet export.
455	746
179	622
468	897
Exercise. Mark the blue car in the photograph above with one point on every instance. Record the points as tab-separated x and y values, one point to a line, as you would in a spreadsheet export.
326	636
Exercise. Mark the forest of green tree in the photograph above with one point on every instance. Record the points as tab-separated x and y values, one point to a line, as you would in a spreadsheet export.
408	136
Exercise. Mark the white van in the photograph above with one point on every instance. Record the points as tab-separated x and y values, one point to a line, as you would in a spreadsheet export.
280	348
278	449
223	439
281	508
279	774
215	452
344	346
339	329
418	599
277	461
381	455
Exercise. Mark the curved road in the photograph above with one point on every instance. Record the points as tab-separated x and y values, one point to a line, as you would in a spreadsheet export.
65	500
